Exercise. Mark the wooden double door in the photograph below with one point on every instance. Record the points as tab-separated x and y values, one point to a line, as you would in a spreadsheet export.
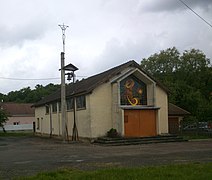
140	123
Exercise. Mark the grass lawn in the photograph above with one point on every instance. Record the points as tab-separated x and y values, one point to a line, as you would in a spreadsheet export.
180	171
14	134
190	136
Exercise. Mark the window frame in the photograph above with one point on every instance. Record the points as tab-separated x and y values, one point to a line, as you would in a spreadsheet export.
47	109
54	107
71	104
81	102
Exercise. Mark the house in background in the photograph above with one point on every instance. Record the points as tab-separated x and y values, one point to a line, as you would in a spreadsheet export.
21	116
176	115
125	98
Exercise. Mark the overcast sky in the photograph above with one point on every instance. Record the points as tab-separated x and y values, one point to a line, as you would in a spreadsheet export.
101	35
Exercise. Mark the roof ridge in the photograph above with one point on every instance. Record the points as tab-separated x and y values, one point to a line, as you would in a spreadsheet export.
121	65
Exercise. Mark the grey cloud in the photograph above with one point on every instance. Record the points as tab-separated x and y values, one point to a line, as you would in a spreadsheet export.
101	34
174	5
18	35
117	52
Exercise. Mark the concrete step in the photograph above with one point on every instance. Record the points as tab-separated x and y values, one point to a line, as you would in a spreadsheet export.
140	140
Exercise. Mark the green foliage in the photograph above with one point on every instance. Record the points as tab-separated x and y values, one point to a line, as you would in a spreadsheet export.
194	135
1	96
164	62
177	171
3	118
27	95
188	76
112	133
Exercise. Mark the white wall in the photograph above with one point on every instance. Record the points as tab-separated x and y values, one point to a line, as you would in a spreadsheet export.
21	127
162	103
117	112
82	120
100	112
43	120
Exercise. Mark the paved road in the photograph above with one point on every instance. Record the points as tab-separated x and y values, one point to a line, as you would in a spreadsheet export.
28	155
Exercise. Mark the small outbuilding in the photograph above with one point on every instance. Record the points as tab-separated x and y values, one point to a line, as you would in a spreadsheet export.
176	115
20	116
124	97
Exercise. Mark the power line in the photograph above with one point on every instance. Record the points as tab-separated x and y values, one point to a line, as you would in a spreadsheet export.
32	79
196	13
27	79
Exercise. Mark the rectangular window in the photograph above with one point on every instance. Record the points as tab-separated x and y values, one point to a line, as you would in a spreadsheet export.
70	104
54	107
38	123
59	104
81	102
47	109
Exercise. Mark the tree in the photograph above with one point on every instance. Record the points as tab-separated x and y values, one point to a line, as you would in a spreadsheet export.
27	95
187	75
3	118
1	97
167	61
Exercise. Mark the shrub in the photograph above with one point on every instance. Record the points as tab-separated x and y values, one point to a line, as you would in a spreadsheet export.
112	133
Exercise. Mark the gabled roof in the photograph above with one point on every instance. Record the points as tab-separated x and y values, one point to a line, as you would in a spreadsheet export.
174	110
18	109
86	86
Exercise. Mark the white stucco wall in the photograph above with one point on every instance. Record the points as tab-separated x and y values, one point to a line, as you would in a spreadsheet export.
82	120
22	127
117	112
56	123
38	115
100	112
162	103
150	94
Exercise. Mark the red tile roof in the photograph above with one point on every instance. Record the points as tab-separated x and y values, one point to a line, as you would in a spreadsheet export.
18	109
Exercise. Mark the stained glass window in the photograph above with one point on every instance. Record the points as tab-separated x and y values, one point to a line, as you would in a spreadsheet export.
133	91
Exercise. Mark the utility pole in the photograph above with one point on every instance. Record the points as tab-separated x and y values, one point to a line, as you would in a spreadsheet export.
63	91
